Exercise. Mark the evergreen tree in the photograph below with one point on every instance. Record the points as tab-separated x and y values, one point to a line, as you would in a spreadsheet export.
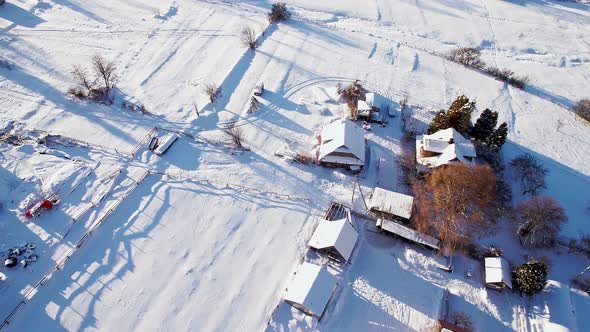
485	125
530	278
458	116
499	136
460	113
440	122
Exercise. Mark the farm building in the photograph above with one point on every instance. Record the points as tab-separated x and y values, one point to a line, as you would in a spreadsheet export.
311	289
407	233
391	205
337	238
342	145
444	147
497	273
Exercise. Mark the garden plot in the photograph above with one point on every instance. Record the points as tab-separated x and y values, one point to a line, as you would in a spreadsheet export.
183	254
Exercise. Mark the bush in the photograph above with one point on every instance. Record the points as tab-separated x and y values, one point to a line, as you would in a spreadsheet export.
303	158
530	278
249	38
468	56
278	13
582	109
531	173
462	320
213	91
508	76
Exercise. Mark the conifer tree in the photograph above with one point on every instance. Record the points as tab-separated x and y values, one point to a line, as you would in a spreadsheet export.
485	125
458	116
530	278
499	136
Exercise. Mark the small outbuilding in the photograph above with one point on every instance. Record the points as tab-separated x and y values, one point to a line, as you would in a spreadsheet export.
342	144
407	233
311	289
391	205
497	273
337	238
445	147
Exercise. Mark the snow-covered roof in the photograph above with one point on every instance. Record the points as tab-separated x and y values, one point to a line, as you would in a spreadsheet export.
391	202
449	145
408	233
311	287
363	106
497	270
165	143
343	137
338	234
563	309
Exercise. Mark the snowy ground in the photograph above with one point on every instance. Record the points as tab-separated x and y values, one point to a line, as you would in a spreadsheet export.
216	256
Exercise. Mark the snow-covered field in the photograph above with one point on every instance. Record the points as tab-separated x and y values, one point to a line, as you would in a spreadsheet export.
208	240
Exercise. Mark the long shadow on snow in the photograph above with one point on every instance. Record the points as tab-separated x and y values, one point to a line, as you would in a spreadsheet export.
23	78
108	240
567	185
230	83
18	17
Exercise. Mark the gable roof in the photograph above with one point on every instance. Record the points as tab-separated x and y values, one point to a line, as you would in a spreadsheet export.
338	234
392	202
343	136
497	270
311	286
449	144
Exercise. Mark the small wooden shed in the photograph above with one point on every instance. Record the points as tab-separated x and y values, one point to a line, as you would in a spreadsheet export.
497	273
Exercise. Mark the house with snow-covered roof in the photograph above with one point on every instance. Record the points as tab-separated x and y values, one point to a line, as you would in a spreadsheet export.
445	147
342	144
497	273
311	289
337	238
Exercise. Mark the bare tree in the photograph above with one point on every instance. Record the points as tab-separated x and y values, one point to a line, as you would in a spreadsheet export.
538	220
351	94
531	173
81	77
254	105
469	56
105	70
249	38
407	162
213	91
234	135
454	203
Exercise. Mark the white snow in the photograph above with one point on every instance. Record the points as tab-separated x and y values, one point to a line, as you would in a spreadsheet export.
209	239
